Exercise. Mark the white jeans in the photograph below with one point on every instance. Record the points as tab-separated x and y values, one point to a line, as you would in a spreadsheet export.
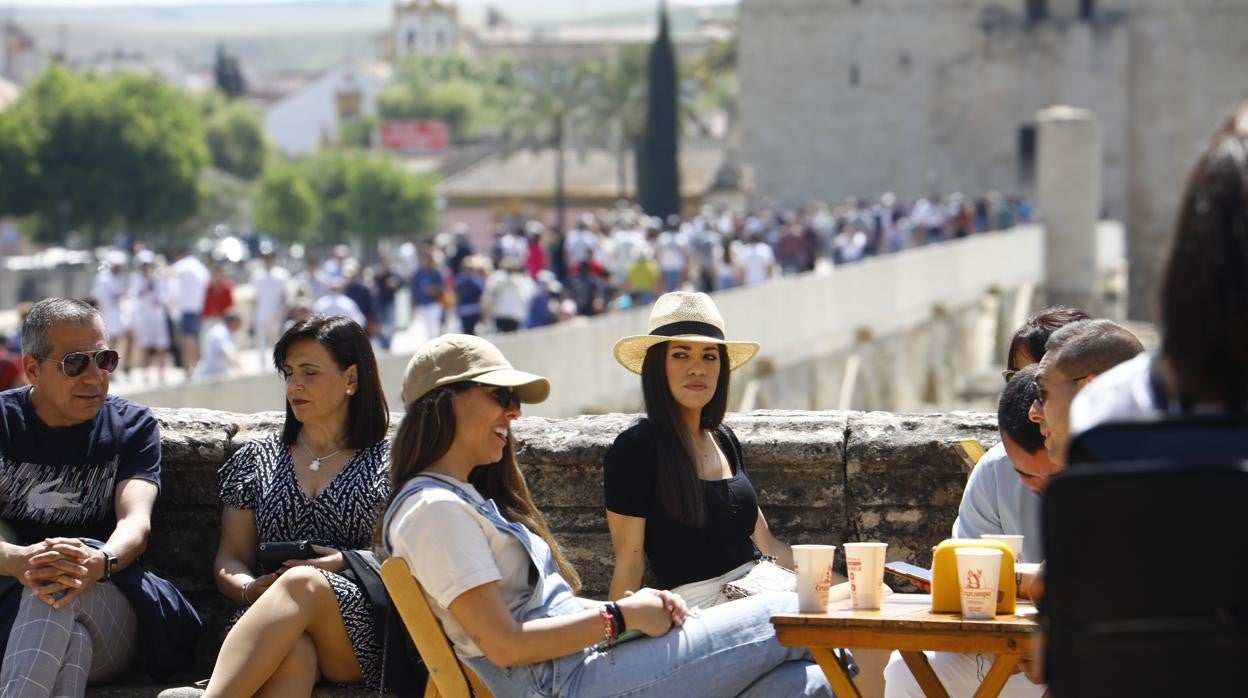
961	674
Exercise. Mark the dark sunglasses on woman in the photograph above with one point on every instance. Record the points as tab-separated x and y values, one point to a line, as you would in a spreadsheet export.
505	397
75	362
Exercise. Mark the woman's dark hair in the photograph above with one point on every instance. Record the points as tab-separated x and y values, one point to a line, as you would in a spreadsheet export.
425	435
1035	330
679	489
1013	408
368	417
1204	289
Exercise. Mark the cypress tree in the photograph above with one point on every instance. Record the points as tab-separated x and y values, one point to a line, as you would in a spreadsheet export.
658	176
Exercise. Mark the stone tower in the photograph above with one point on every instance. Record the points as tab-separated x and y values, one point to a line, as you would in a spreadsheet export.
857	97
424	27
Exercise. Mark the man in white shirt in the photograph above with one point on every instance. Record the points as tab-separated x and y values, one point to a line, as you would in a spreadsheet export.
757	261
1074	356
271	284
190	285
336	303
220	353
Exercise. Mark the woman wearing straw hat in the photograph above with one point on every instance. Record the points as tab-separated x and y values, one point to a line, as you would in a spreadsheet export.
462	517
675	483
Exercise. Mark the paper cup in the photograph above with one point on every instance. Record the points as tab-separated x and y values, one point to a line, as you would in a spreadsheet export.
979	571
865	564
1015	541
813	565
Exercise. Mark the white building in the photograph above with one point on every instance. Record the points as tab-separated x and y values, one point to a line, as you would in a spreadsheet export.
310	117
9	93
424	27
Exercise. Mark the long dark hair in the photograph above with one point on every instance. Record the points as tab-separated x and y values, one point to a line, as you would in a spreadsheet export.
425	435
679	488
1204	291
368	416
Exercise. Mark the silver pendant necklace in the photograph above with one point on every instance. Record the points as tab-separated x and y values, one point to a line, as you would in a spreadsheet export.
315	465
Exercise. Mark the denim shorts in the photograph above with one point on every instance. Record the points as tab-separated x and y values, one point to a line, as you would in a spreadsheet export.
188	324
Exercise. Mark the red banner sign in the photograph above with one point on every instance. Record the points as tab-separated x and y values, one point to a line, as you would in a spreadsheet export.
415	136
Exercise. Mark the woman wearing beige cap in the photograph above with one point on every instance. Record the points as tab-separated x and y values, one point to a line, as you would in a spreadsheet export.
675	483
464	521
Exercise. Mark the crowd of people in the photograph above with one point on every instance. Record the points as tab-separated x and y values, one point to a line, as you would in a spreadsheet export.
185	313
80	471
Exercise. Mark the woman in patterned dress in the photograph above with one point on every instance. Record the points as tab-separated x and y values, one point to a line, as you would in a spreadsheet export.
322	479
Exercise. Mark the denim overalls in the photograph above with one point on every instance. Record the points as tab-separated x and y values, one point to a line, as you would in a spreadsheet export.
729	650
551	594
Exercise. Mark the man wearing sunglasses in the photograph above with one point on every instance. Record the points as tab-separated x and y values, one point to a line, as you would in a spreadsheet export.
1074	356
75	464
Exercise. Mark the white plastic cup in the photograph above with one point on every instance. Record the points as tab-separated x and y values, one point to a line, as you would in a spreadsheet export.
979	574
1014	540
813	565
865	564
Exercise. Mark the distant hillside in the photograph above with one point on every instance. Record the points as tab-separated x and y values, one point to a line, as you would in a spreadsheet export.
296	34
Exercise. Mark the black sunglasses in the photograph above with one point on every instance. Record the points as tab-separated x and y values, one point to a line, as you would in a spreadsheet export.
75	362
505	397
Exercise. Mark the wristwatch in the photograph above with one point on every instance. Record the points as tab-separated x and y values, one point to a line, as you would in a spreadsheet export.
110	561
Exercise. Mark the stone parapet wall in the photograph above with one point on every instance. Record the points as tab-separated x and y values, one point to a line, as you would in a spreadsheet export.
826	477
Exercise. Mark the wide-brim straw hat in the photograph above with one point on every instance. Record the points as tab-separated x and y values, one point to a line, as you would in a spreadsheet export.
682	315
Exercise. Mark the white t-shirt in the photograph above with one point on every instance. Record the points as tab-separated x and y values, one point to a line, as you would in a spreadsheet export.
270	286
218	348
1123	391
579	246
996	501
190	279
508	293
452	548
755	261
338	304
108	290
672	251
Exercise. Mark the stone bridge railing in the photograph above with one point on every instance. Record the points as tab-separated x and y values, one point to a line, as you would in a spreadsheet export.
823	477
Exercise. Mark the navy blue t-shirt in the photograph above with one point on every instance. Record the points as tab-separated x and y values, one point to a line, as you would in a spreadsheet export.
60	481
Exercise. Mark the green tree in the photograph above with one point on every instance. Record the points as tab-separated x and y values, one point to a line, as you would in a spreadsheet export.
384	200
236	140
358	132
658	174
101	151
326	172
364	196
224	198
228	74
284	204
550	113
617	102
470	95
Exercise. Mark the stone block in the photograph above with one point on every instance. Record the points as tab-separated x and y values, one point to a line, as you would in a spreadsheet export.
905	475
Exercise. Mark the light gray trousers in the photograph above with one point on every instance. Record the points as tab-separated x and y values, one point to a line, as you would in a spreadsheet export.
55	653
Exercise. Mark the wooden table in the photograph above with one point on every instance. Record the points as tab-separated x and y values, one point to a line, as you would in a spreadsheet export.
906	623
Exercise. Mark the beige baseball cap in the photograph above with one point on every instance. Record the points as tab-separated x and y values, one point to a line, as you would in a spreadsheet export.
452	358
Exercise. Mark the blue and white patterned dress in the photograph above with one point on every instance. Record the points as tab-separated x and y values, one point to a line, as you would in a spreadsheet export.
261	477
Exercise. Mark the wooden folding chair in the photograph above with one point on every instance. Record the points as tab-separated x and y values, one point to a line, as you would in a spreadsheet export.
448	677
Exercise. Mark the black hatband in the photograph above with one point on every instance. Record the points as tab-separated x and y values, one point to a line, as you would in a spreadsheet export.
673	329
